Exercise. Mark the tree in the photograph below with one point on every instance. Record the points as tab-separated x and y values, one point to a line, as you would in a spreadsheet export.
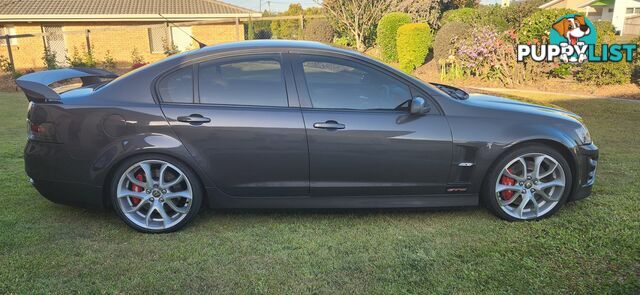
428	11
357	18
288	29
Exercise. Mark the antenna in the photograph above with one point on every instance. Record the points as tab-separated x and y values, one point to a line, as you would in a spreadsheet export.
200	44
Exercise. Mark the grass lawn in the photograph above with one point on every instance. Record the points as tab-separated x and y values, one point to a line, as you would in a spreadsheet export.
591	246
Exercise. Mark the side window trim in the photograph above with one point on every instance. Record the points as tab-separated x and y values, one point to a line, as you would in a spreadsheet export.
196	83
304	95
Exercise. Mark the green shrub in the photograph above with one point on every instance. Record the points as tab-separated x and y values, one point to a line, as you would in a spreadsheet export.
258	29
81	59
5	65
413	43
443	43
424	11
604	73
491	15
517	11
562	71
605	32
136	59
289	28
386	34
636	57
263	34
536	27
109	63
169	48
343	41
49	59
320	30
462	15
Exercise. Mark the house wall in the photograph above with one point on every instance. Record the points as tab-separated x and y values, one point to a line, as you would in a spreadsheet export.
27	53
619	13
120	41
573	4
632	26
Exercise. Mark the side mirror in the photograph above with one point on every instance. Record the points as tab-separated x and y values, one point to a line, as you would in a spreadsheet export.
419	106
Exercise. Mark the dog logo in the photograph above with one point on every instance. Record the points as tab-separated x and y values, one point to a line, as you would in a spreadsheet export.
572	38
573	30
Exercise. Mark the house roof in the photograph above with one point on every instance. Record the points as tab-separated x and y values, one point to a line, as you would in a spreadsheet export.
550	3
595	3
146	10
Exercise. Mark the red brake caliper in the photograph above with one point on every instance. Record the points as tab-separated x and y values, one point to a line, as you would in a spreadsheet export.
135	188
506	180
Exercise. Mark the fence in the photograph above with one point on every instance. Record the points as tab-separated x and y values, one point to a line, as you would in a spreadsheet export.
126	43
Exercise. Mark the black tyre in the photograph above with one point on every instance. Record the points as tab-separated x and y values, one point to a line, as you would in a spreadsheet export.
528	183
155	193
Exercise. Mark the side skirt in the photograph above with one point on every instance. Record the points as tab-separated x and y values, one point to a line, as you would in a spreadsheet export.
217	200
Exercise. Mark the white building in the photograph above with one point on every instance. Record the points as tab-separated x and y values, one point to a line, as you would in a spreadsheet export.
619	12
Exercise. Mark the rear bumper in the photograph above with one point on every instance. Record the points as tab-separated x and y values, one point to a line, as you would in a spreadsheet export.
69	193
54	173
586	166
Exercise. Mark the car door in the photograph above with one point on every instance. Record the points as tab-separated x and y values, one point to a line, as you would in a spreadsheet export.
240	124
362	139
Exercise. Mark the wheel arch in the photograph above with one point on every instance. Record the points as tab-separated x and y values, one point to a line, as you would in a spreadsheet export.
567	152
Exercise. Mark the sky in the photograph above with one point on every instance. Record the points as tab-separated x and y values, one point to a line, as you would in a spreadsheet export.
281	5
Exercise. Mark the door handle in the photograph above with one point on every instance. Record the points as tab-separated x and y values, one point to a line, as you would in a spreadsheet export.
194	119
330	125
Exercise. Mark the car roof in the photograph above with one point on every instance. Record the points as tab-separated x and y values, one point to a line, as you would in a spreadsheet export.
268	44
265	44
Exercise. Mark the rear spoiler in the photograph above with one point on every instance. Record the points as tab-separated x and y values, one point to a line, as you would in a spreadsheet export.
36	85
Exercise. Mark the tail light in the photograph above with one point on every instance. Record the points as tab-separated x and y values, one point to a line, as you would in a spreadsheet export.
41	131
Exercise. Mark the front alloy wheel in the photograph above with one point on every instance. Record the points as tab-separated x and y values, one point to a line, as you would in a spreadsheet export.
529	183
154	195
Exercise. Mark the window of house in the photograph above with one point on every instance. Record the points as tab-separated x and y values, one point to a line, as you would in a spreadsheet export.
341	84
633	10
177	86
158	38
8	30
248	80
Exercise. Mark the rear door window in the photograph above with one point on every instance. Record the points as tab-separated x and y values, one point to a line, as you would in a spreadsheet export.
248	80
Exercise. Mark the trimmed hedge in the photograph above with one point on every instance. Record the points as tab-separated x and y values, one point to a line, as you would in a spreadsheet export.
605	32
604	73
446	36
319	30
462	15
491	15
413	42
386	34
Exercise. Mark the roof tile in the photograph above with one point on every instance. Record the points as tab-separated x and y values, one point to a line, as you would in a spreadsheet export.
120	7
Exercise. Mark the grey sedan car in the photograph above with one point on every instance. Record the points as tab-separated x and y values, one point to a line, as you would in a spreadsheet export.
286	124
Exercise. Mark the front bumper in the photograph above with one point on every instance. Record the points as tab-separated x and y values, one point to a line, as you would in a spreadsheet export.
586	166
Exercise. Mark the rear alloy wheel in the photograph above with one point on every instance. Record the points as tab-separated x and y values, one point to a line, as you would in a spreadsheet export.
533	184
154	195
